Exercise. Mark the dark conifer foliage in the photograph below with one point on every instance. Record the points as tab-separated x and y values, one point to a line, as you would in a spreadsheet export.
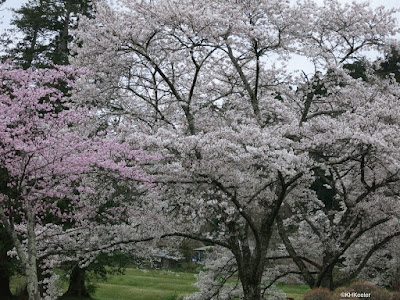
46	26
391	65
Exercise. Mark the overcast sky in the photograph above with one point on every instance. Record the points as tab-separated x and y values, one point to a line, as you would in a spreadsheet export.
6	15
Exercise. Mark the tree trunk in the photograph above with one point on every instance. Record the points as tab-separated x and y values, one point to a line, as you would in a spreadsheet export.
252	290
77	284
30	54
327	279
5	265
61	54
5	286
250	273
31	266
27	259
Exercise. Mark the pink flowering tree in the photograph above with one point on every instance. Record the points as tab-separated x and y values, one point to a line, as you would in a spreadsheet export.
207	84
53	165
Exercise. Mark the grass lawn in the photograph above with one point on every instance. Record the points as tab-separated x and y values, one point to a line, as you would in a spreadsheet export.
162	285
146	285
137	284
293	291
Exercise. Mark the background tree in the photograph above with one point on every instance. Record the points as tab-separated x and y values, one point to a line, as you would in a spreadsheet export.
194	79
45	26
390	65
50	159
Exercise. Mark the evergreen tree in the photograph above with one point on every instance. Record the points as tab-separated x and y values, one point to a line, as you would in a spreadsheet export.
357	69
45	26
391	65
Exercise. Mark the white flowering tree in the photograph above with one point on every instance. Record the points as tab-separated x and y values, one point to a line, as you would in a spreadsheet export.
355	206
205	83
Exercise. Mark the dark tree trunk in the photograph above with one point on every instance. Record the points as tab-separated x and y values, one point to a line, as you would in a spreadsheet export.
5	264
61	53
77	284
31	52
252	290
327	278
4	286
251	267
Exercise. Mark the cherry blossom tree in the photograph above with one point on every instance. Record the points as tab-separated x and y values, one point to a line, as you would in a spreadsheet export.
53	164
206	84
356	206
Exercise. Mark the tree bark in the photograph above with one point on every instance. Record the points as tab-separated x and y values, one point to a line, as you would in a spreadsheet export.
252	289
251	265
31	266
77	283
327	278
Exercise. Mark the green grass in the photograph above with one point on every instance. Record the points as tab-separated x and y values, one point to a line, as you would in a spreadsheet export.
293	291
136	284
148	285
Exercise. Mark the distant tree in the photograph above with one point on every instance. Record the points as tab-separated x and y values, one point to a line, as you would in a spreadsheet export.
390	66
45	26
357	69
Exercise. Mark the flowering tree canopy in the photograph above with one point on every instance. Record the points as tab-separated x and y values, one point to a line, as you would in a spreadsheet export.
206	84
354	204
52	165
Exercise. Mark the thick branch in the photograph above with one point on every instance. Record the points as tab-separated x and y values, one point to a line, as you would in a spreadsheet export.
363	263
292	252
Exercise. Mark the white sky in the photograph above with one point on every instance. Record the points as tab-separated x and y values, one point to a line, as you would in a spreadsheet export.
6	15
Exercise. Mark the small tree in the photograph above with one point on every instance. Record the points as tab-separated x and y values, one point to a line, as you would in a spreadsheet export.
48	158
